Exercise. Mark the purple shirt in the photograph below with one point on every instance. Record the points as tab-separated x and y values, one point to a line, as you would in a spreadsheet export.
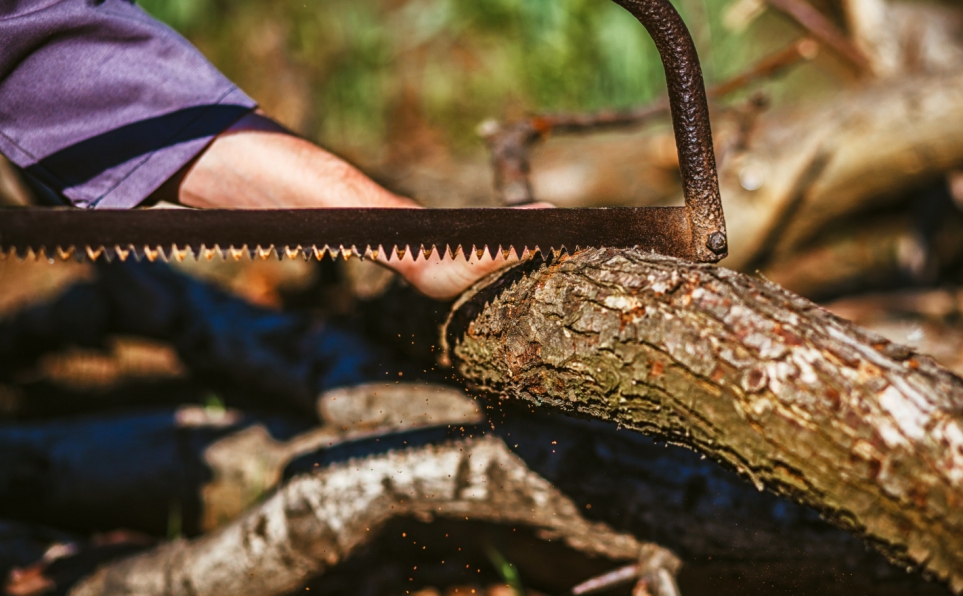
102	103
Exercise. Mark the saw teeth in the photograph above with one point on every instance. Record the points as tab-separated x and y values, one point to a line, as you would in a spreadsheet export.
180	254
481	252
94	253
175	253
459	252
153	254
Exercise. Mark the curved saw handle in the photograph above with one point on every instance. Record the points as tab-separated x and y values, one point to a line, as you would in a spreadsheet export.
690	119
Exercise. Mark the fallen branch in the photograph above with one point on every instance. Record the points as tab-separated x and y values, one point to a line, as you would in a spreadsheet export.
249	464
668	496
798	401
875	252
317	520
804	171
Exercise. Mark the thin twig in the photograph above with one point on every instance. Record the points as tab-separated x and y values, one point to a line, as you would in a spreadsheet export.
510	144
622	575
822	29
804	49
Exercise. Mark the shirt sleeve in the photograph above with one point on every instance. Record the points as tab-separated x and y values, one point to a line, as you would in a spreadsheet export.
102	103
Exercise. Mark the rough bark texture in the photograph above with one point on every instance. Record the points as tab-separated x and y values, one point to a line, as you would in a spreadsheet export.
796	399
316	520
669	496
929	320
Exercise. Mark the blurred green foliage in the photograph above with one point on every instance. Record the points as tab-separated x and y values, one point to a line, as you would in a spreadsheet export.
339	71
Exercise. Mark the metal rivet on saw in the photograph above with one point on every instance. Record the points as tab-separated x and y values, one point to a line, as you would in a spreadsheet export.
716	242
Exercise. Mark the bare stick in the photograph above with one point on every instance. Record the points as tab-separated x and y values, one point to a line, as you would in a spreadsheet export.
510	144
317	520
822	29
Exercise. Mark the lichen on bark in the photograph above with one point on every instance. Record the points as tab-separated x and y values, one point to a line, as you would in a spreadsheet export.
797	400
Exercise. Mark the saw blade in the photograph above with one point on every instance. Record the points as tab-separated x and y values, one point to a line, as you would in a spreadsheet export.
177	234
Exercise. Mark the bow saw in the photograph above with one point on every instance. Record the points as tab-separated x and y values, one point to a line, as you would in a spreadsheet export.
695	231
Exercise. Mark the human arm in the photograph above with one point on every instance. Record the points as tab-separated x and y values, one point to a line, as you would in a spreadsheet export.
257	164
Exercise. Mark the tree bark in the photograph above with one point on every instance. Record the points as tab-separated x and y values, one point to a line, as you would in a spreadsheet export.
135	471
807	169
705	514
794	398
318	519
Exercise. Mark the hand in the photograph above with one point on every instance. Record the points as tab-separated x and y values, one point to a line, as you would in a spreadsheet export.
442	278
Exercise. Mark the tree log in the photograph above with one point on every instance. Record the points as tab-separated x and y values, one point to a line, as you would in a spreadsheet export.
794	398
929	320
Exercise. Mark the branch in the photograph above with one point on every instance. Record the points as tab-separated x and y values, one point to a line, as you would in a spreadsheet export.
804	171
317	520
822	29
247	465
874	251
510	144
871	33
798	401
